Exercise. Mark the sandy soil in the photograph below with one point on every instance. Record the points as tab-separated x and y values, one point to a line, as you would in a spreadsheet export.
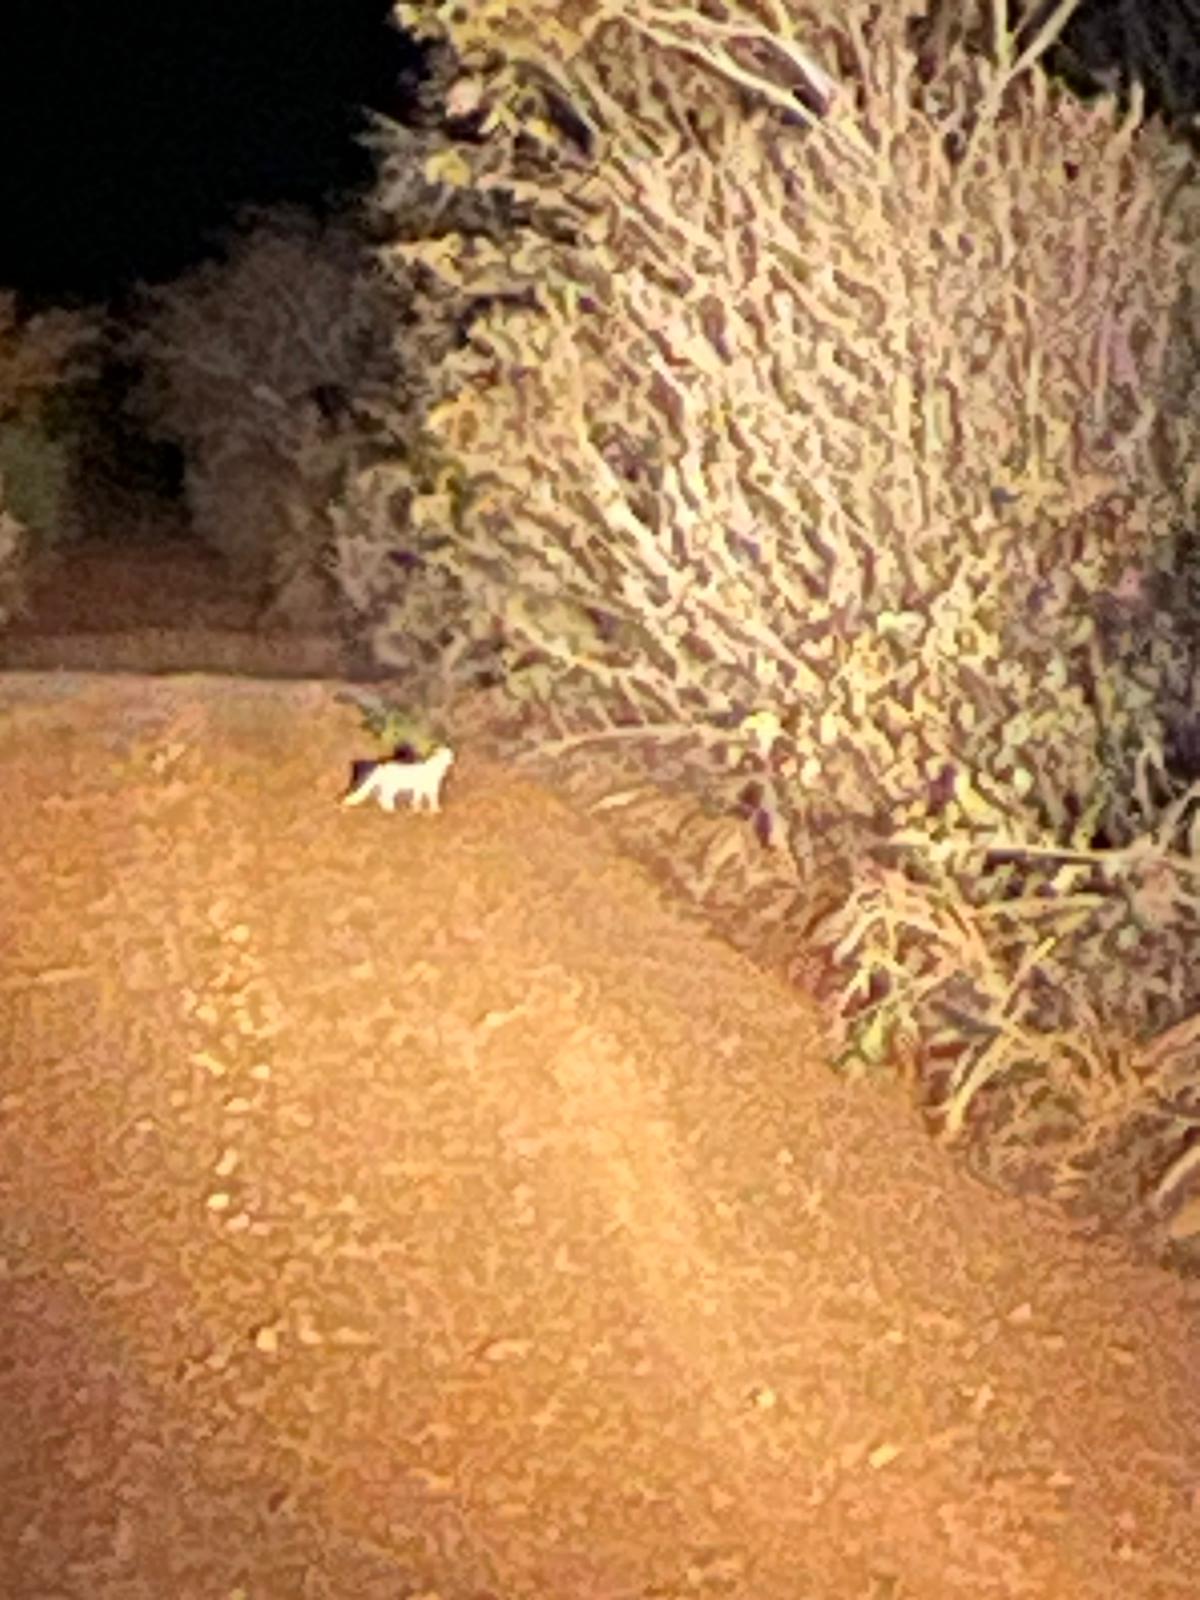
418	1206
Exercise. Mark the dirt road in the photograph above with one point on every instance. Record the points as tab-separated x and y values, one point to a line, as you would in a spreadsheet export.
416	1206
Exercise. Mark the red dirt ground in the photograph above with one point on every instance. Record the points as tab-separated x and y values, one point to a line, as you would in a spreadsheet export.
418	1206
421	1208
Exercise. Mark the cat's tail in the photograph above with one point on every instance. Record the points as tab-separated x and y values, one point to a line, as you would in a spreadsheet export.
361	774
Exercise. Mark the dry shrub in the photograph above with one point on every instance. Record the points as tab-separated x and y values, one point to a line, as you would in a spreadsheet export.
252	365
868	422
39	353
41	358
14	556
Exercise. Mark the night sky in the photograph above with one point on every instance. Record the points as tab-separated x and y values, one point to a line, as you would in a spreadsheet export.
130	131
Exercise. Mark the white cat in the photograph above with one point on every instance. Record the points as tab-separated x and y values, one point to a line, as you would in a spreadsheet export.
421	780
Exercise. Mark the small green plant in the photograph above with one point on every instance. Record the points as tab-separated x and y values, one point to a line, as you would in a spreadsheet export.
401	732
